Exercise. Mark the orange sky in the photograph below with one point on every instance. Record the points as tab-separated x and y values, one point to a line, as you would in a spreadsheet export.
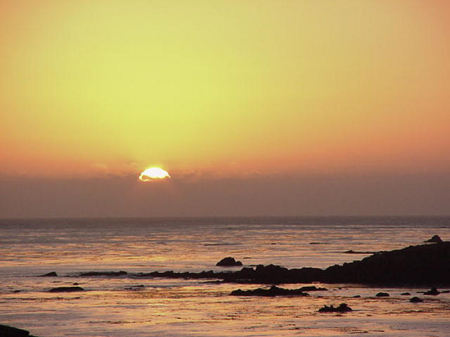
224	87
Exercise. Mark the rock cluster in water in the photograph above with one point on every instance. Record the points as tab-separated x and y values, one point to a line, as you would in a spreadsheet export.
343	307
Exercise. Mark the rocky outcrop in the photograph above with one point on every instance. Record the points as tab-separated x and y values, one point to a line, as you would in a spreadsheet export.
229	262
423	265
415	265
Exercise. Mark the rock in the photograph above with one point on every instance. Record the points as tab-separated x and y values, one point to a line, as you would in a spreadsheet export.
381	294
415	300
272	292
343	307
228	262
357	296
51	274
9	331
65	289
435	239
433	291
405	294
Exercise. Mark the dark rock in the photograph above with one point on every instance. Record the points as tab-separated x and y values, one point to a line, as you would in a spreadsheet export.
9	331
433	291
104	273
357	296
435	239
405	294
136	287
51	274
343	307
228	262
415	300
271	292
65	289
381	294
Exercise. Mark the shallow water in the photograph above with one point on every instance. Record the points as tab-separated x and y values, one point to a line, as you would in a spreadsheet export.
168	307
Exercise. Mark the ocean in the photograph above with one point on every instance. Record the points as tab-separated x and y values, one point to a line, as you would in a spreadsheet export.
130	306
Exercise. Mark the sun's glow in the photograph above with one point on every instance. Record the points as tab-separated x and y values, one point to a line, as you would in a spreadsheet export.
153	173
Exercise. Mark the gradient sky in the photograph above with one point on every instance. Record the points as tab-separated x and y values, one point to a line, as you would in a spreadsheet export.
245	92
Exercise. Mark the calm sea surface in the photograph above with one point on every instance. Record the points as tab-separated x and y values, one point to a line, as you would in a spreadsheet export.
126	306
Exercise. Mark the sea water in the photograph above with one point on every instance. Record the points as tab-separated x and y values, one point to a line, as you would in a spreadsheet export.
129	306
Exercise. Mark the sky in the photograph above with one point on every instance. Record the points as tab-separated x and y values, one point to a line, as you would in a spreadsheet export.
253	107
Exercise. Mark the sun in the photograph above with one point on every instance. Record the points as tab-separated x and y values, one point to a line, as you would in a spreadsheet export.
153	174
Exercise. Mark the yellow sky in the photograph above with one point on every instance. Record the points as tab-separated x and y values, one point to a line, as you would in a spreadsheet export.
89	87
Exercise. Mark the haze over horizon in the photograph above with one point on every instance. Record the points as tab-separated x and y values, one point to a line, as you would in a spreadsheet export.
254	108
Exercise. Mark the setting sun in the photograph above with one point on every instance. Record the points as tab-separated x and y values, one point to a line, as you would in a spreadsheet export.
153	173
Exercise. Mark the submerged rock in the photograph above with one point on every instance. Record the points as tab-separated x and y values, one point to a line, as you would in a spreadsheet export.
381	294
51	274
271	292
343	307
435	239
228	262
104	273
415	300
65	289
357	252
